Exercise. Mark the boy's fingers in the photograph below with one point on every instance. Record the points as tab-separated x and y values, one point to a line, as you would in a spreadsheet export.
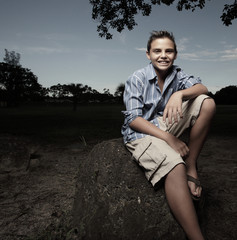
176	116
164	114
180	112
185	151
170	116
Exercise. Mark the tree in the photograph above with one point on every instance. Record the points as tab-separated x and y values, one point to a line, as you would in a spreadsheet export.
227	95
76	90
106	96
229	13
119	92
18	83
58	91
120	14
12	58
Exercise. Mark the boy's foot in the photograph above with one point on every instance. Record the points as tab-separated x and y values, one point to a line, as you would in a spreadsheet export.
194	187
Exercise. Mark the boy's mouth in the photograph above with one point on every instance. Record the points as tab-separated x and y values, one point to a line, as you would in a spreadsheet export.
163	62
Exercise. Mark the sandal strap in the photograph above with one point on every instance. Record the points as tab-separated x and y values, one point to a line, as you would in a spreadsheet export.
192	179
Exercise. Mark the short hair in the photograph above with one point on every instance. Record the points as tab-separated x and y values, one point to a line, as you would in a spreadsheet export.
161	34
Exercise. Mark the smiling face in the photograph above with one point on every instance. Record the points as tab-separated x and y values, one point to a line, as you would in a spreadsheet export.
162	55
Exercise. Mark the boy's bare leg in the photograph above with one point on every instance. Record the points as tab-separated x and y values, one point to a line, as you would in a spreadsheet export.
180	202
197	138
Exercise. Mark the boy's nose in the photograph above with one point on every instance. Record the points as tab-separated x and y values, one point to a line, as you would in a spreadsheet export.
163	54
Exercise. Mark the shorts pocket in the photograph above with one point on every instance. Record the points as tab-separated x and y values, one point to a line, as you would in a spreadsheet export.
149	157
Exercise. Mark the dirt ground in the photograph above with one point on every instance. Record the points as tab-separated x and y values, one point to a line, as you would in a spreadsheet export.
36	198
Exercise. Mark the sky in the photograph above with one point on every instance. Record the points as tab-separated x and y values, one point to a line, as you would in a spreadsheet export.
59	42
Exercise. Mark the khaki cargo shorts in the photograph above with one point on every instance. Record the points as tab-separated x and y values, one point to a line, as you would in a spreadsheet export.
154	155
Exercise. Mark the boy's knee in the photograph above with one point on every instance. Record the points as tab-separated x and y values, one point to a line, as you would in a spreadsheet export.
209	106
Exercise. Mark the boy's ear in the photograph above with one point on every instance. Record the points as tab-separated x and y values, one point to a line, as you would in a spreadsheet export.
148	55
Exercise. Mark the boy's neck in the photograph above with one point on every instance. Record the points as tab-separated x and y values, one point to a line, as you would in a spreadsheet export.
161	76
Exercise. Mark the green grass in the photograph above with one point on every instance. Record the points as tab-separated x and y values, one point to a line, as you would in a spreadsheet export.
95	122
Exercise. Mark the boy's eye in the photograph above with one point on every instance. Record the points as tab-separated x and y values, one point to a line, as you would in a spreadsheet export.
170	50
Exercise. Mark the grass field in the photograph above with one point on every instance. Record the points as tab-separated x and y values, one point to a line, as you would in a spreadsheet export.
58	123
95	122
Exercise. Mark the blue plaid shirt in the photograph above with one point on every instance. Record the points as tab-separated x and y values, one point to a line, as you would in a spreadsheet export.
143	98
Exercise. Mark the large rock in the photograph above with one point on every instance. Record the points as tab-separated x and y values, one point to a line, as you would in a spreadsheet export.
115	201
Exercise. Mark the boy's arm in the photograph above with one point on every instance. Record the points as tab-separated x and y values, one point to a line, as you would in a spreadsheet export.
139	124
173	109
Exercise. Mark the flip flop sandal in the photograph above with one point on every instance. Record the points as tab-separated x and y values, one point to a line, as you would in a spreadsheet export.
197	183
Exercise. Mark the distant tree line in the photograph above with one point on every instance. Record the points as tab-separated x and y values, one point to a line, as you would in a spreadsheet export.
18	84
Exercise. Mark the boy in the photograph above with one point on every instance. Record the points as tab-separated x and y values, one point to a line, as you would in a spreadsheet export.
161	102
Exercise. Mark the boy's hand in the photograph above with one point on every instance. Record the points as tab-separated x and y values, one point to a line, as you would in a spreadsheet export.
178	145
173	109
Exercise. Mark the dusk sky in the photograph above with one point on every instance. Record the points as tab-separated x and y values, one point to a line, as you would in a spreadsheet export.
58	41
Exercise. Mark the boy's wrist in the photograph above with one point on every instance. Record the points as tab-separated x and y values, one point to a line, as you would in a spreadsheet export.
166	137
180	93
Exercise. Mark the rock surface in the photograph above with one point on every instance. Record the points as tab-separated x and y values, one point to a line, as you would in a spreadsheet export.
115	201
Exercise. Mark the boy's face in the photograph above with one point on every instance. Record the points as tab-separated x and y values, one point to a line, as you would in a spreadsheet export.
162	54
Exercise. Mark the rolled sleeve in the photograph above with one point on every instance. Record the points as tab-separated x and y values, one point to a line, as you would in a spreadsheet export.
133	99
186	81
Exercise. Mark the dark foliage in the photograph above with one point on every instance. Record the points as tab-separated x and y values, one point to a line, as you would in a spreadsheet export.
119	92
120	14
117	14
12	58
18	84
76	90
78	93
227	95
229	13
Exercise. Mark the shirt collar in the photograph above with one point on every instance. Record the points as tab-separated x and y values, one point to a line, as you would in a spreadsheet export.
151	74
